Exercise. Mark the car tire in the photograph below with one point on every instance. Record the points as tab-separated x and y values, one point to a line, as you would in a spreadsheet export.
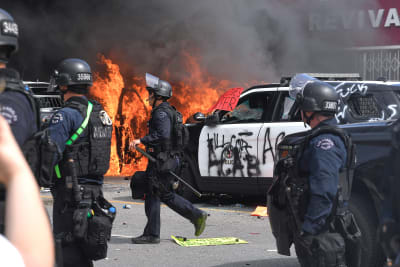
364	212
188	175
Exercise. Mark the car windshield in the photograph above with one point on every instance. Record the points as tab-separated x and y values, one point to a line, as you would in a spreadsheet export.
246	111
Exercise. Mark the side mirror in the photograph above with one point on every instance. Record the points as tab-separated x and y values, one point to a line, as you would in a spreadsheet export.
198	116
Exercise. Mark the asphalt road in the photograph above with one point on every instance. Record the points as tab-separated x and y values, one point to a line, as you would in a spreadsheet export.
226	220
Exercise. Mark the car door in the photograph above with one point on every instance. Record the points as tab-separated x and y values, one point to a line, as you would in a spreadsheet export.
228	151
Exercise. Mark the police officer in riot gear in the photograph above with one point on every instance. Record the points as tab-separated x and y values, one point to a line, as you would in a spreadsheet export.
17	105
160	143
308	199
82	132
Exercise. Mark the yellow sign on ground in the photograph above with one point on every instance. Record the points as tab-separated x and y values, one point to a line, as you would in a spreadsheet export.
195	242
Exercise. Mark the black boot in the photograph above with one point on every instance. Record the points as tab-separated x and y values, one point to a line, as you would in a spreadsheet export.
146	239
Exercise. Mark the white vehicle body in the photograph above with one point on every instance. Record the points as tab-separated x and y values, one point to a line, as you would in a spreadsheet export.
243	149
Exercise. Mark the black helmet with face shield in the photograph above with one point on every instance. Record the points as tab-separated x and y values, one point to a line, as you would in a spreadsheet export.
159	87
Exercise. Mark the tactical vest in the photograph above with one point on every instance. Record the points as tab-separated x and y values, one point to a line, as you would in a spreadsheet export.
10	81
291	186
179	136
90	145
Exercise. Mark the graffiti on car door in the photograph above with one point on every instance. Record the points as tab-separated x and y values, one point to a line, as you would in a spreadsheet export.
233	156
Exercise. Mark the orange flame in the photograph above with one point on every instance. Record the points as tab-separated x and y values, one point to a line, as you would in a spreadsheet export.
197	92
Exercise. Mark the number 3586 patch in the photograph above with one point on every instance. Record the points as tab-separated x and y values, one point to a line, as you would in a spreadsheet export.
84	77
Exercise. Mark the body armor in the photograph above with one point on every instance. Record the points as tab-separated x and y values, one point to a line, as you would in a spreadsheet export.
179	135
288	196
91	151
10	81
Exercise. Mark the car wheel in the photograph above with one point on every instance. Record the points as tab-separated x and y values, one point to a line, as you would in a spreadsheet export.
364	212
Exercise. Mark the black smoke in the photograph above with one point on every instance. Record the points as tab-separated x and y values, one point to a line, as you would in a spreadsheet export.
237	40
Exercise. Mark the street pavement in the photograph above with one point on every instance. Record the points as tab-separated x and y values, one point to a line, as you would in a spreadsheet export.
225	220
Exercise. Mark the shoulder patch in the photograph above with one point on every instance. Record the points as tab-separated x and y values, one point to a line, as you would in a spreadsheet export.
325	144
9	114
58	117
105	119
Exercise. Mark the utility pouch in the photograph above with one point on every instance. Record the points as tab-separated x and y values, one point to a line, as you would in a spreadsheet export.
99	229
166	162
346	225
39	152
139	184
327	250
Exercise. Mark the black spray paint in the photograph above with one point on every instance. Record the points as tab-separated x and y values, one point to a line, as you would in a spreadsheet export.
235	152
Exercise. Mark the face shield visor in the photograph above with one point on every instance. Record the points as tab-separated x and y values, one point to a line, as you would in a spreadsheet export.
296	87
151	82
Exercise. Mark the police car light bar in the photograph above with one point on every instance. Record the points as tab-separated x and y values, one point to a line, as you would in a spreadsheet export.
326	77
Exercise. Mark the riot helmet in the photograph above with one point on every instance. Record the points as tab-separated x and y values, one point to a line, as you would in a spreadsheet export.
8	36
74	73
318	97
159	87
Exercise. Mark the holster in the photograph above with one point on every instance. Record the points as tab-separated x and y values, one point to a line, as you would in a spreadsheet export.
325	249
139	185
161	181
93	222
346	225
99	230
166	162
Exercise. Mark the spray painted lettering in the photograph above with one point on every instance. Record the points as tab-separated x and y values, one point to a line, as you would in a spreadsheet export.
267	147
234	157
377	111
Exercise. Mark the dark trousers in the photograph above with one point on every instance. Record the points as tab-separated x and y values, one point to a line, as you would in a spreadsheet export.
164	193
63	212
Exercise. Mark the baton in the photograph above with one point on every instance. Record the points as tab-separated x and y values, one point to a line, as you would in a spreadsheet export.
152	159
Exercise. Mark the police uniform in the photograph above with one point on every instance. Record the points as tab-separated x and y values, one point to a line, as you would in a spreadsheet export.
90	162
305	196
322	159
158	142
312	185
17	106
